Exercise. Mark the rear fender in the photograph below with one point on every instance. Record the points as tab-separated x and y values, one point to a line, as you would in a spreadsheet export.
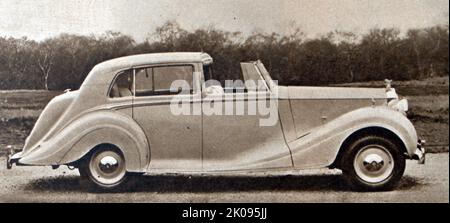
87	132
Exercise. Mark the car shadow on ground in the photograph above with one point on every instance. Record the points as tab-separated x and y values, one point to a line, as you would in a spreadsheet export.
205	184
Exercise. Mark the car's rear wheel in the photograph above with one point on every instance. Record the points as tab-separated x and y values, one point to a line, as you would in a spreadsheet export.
103	169
373	163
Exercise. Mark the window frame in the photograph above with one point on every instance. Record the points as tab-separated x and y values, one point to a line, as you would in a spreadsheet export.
193	91
111	85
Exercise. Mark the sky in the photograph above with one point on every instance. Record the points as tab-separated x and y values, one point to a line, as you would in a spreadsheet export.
41	19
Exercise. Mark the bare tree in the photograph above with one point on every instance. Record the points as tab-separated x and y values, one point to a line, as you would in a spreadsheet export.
45	61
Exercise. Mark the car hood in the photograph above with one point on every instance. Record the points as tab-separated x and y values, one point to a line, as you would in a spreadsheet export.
331	93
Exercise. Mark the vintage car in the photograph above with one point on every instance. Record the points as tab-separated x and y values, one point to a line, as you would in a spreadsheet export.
120	123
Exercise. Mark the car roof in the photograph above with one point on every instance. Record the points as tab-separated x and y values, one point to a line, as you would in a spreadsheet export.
155	58
104	72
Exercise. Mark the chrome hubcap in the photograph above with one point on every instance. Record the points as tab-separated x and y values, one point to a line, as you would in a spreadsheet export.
108	164
374	164
107	167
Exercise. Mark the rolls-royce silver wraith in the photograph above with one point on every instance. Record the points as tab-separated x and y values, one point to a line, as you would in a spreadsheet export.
164	113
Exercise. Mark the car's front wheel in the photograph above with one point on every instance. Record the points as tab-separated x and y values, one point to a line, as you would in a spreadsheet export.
373	163
103	169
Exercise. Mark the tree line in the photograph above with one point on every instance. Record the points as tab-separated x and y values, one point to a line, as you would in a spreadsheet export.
64	61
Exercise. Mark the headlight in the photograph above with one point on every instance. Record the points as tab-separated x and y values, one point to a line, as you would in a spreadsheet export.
401	106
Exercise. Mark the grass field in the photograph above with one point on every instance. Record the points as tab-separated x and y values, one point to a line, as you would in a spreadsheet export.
429	110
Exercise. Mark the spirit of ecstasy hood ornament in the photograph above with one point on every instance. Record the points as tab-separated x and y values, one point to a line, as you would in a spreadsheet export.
388	84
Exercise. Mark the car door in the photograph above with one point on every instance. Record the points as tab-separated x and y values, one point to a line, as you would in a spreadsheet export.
239	141
175	140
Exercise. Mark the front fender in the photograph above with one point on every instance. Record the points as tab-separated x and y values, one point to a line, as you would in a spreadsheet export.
90	130
321	147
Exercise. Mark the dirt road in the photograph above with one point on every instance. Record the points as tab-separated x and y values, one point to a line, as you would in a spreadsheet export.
429	183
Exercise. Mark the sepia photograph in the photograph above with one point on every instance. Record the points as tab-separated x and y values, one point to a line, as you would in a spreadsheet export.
224	101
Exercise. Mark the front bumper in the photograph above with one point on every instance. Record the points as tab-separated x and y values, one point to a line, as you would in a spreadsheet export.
420	153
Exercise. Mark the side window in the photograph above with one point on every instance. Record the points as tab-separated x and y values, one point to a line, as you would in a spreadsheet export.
123	85
158	80
144	82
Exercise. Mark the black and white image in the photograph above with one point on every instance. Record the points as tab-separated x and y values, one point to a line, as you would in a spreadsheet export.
204	101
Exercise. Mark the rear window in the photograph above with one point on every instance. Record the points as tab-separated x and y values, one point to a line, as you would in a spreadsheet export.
123	85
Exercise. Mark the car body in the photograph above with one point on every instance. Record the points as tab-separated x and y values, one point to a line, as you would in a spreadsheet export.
313	127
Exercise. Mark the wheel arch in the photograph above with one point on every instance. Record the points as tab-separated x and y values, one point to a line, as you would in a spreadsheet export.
95	148
117	130
373	130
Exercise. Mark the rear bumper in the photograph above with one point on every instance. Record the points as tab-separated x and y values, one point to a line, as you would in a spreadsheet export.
420	154
12	157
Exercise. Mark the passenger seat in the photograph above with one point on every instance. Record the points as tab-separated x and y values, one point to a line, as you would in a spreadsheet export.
120	92
125	92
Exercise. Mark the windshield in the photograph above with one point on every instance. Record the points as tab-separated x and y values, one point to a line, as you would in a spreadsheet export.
252	78
262	69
